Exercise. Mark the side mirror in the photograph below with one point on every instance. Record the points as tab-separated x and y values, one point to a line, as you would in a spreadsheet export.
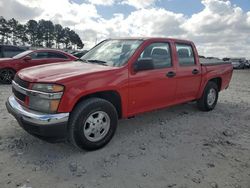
144	64
27	58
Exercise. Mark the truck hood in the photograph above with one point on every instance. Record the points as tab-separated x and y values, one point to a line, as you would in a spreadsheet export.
60	71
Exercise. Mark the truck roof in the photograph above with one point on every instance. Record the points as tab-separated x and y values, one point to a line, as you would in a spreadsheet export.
150	38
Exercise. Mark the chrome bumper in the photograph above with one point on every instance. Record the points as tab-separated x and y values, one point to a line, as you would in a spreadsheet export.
34	117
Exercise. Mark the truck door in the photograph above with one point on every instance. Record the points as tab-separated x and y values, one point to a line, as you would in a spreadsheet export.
188	73
155	88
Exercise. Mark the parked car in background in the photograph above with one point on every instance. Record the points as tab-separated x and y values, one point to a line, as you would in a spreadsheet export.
247	64
119	78
70	51
10	50
213	58
226	59
238	63
80	53
9	66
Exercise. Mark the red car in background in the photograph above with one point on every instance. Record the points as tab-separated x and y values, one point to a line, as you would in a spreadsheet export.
9	66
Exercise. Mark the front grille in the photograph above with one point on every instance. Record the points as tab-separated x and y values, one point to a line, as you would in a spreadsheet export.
18	95
23	84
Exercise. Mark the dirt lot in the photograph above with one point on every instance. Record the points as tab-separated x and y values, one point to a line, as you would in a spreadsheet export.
179	147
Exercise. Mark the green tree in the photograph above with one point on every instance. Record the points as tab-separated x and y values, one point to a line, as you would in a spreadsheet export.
79	43
41	33
32	31
49	33
4	30
46	32
66	37
59	35
12	23
75	39
21	34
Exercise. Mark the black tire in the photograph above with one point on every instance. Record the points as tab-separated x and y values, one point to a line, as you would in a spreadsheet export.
6	76
78	119
203	102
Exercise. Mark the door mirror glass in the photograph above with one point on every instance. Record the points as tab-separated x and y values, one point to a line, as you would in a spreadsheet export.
144	64
27	58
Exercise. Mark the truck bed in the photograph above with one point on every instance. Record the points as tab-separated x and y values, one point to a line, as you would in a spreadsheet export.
210	62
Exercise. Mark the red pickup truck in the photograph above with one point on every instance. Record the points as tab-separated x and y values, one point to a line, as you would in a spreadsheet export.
119	78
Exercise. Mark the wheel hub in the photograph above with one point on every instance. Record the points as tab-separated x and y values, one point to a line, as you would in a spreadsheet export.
96	126
6	76
211	97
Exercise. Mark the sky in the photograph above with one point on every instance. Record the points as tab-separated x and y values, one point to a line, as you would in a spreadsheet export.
219	28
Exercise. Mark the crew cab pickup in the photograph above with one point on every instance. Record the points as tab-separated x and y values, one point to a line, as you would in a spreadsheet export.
118	78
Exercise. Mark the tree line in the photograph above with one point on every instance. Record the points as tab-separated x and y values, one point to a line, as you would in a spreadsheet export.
42	33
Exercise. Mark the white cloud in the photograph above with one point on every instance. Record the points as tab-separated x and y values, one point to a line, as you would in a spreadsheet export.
102	2
221	29
139	3
216	17
155	22
13	8
68	10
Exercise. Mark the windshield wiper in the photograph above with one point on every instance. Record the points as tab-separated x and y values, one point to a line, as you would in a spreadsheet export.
97	61
82	60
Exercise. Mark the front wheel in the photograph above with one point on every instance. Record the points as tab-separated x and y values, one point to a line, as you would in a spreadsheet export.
92	124
6	76
209	97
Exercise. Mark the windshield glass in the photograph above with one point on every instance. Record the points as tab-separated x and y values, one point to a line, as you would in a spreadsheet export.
23	54
112	52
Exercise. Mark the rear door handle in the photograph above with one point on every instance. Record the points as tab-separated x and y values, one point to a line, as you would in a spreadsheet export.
195	71
171	74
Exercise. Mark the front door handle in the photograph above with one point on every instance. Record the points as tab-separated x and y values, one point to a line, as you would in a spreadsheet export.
171	74
195	71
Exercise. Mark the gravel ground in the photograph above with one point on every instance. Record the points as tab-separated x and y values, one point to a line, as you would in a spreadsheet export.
179	147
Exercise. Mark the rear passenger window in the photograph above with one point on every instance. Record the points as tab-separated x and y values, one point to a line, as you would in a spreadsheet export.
160	54
56	55
185	54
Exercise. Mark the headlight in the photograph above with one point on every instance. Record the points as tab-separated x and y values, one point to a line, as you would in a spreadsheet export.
50	88
45	97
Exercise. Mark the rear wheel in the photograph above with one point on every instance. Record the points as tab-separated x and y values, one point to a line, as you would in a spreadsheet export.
92	124
6	76
209	98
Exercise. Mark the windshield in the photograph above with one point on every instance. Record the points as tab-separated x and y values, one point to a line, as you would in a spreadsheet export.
112	52
23	54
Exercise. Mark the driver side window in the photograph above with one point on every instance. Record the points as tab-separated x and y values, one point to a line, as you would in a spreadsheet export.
39	55
159	53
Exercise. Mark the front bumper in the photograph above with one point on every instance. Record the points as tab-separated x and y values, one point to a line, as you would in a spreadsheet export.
49	126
